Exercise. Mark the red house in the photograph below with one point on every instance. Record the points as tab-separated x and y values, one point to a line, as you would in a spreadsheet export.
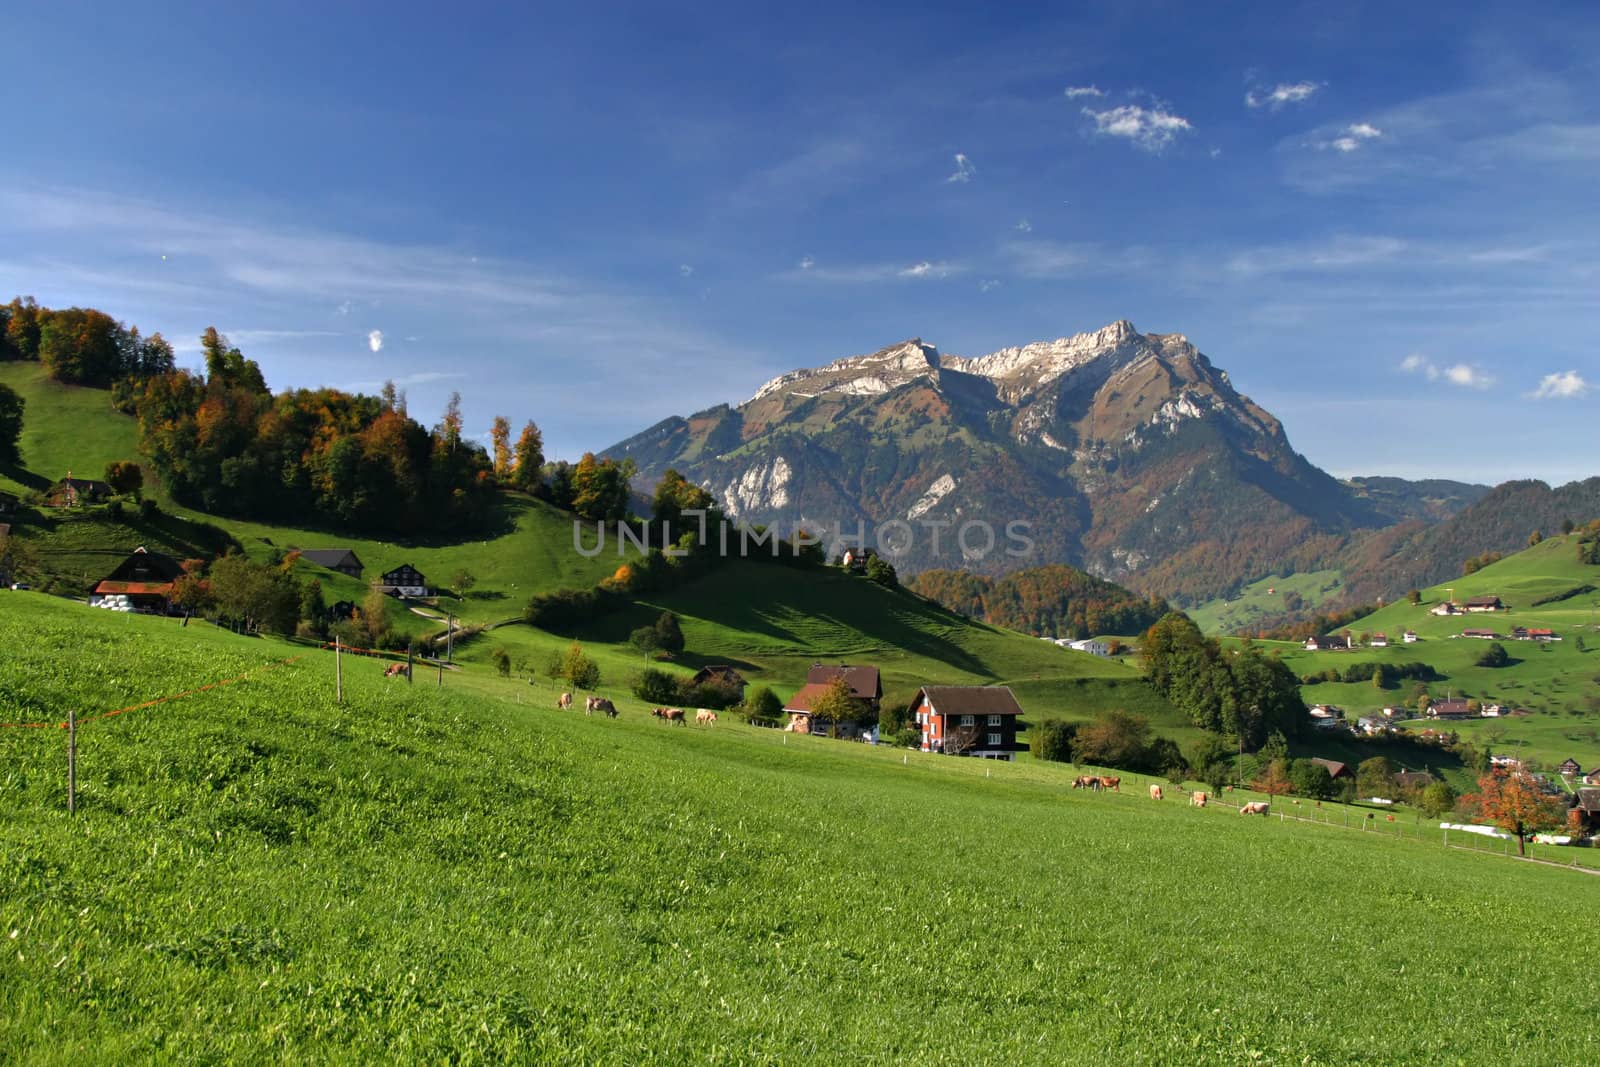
968	720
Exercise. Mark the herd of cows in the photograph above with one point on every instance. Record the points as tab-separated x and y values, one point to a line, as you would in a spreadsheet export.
702	717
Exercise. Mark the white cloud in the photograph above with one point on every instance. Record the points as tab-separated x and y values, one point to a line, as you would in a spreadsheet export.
685	270
1352	137
1216	153
342	309
1023	226
1282	95
1048	259
1075	91
1338	253
926	269
964	169
877	272
1465	375
1151	129
1567	385
375	340
988	284
806	263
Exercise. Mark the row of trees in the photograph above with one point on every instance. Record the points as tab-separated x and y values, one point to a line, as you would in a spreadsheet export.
80	346
1054	601
11	408
1245	694
1114	739
223	442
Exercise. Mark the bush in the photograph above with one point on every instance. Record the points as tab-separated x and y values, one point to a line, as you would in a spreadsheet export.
148	508
762	705
1494	656
115	511
1311	780
882	571
717	695
1437	799
1052	740
502	662
655	686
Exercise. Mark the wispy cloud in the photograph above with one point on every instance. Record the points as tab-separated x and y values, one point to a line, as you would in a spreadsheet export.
375	340
1281	95
806	263
1076	91
1465	375
1048	259
988	285
1023	226
1565	385
868	273
964	170
1337	253
401	382
685	270
1351	137
1151	129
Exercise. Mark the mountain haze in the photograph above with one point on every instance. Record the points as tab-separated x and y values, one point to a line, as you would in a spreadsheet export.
1129	455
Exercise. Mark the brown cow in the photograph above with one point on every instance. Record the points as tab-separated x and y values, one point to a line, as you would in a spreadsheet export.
564	702
1155	792
702	717
1254	807
602	705
1111	783
394	669
1198	799
1085	781
670	715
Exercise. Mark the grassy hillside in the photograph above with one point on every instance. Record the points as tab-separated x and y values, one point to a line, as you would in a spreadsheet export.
1264	599
1557	682
255	873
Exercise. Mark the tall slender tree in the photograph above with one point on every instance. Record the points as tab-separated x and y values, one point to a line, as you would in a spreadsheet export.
500	437
526	473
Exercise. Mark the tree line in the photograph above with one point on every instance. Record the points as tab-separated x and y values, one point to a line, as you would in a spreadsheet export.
1052	601
1244	694
80	346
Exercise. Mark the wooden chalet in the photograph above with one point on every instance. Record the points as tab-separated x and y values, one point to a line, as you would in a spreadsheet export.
8	503
1379	641
1408	780
1481	635
801	720
1330	643
341	610
968	720
1585	813
143	582
404	580
342	560
1483	603
1569	768
866	684
1450	709
1409	637
1335	769
720	674
1592	778
72	492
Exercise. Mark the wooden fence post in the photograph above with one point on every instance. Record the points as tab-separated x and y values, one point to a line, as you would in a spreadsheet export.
338	671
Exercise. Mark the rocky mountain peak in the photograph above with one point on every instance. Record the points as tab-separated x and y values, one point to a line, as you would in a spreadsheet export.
868	375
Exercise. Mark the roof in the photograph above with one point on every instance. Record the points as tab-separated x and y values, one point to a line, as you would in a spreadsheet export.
1589	799
1334	768
134	588
145	566
806	698
717	670
402	567
1482	600
331	558
1410	778
971	699
85	485
864	681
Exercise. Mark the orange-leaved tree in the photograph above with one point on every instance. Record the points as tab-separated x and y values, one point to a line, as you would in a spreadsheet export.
1515	803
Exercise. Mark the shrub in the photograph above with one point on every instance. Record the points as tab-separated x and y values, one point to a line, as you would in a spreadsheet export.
762	705
1052	740
1494	656
502	662
716	695
148	508
1311	779
655	686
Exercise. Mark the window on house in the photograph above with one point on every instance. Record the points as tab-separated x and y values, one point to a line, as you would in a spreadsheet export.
994	740
994	720
966	720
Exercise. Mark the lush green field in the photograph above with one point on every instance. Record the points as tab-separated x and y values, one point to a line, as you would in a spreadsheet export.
255	873
1265	598
1558	682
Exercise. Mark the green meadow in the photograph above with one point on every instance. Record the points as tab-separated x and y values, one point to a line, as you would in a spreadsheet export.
1264	598
256	872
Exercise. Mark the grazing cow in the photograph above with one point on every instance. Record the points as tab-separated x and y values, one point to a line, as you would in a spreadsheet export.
670	715
1111	783
702	717
1085	781
564	702
600	704
1254	807
1198	800
1155	792
394	669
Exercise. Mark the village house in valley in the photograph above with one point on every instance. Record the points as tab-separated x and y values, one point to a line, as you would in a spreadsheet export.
72	492
404	580
720	674
1484	604
968	720
143	582
343	560
1330	643
866	693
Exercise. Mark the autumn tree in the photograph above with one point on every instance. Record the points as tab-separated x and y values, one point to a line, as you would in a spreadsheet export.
528	470
674	495
835	705
448	432
1375	778
1274	779
125	477
1116	739
1515	803
577	669
500	440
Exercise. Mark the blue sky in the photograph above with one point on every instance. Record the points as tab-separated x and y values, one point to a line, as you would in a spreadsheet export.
1381	219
